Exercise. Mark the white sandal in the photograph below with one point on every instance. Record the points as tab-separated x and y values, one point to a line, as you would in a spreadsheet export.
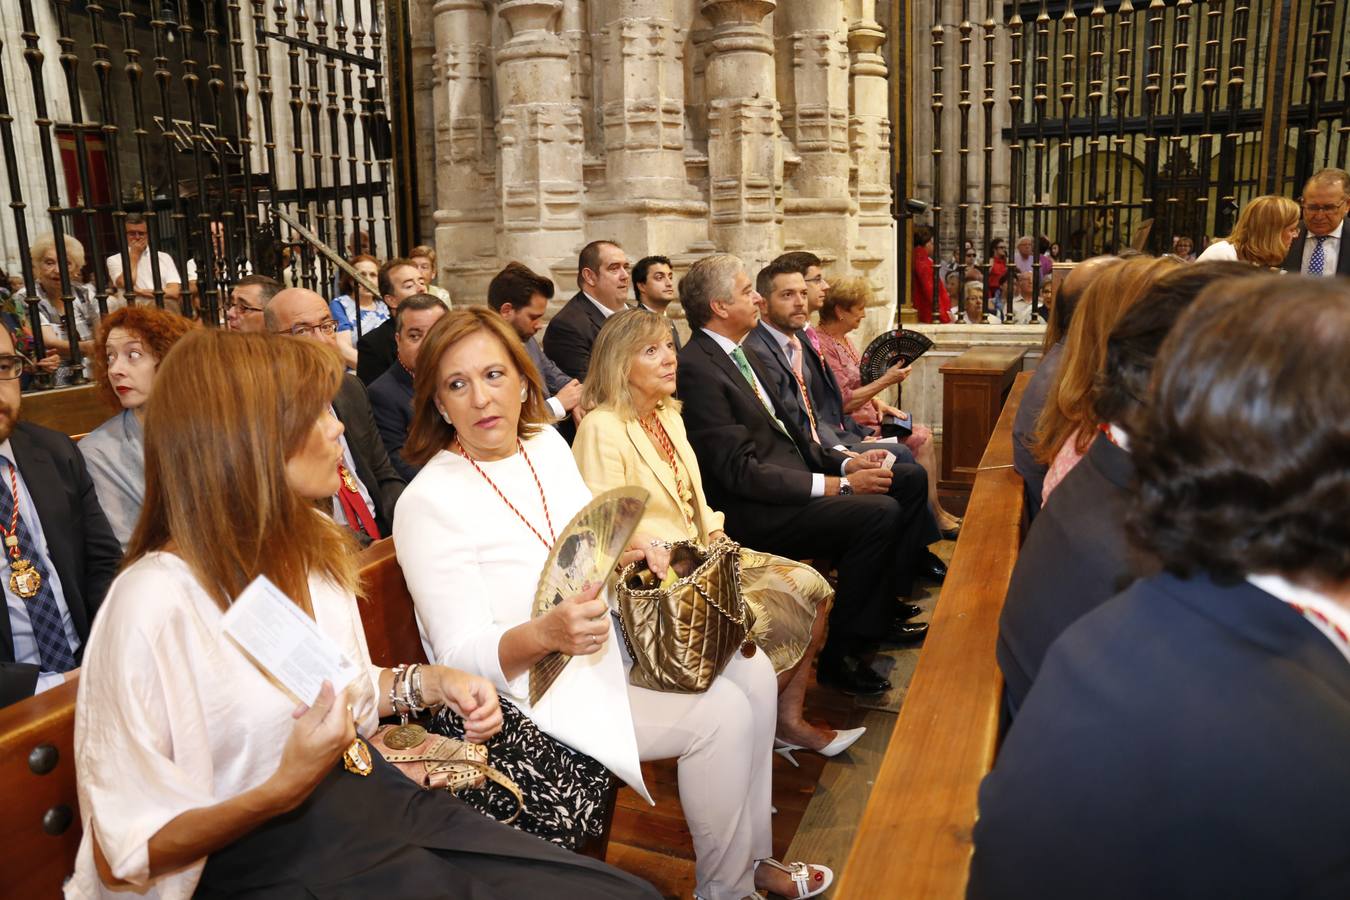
809	884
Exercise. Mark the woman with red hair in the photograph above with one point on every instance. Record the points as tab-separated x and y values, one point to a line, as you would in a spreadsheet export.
127	351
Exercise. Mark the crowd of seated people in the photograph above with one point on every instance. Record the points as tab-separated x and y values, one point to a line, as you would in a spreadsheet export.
472	444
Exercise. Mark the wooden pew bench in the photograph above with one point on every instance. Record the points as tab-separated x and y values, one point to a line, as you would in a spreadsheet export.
914	839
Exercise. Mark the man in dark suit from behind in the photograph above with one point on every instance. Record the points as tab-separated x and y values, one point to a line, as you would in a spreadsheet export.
1045	377
391	394
375	351
780	344
1076	555
65	553
781	492
1319	250
603	278
370	485
520	296
654	286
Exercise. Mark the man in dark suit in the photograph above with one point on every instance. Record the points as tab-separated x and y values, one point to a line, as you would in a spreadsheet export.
782	492
370	486
520	296
391	394
602	276
780	344
65	554
654	285
1319	250
1076	555
375	351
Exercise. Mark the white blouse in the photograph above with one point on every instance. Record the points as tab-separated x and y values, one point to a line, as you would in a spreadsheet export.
172	716
472	567
1218	251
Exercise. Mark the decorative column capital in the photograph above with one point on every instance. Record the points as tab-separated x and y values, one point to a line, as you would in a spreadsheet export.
736	12
525	18
449	6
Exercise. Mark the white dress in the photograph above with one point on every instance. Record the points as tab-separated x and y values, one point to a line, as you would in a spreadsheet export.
472	567
172	716
1219	250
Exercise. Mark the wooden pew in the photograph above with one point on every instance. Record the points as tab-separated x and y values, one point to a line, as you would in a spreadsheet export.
69	410
914	839
37	794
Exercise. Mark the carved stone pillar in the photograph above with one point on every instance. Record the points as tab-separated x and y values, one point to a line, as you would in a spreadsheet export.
813	69
869	143
466	148
539	134
745	152
649	205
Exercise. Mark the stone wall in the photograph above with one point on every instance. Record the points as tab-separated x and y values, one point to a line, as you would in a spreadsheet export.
676	127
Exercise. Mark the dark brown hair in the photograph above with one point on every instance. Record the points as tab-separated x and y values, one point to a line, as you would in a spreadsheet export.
228	410
158	328
517	284
589	258
1243	454
428	433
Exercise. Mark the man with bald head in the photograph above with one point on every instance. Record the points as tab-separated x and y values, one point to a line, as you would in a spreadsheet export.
370	486
1033	399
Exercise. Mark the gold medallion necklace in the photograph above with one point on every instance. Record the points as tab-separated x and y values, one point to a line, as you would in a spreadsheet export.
24	580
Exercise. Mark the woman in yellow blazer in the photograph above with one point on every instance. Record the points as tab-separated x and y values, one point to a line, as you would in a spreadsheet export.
633	435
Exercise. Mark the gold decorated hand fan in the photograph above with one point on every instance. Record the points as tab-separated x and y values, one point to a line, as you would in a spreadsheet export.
585	552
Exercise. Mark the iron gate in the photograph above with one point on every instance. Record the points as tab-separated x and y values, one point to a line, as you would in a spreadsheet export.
206	117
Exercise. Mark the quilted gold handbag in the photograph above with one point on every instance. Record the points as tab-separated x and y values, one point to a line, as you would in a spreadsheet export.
438	762
682	636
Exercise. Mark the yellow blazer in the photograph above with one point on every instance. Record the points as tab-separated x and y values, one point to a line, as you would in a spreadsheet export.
611	453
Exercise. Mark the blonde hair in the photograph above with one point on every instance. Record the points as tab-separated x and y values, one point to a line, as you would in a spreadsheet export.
1067	413
1258	235
428	433
848	292
425	251
622	338
228	410
47	242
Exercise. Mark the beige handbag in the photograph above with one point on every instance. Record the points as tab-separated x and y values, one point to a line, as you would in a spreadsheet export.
681	637
435	761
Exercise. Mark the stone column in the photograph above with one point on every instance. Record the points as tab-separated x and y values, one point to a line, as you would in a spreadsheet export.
745	152
873	244
465	147
539	133
813	80
649	205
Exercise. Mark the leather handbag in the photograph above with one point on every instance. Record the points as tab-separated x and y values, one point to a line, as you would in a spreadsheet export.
682	636
439	762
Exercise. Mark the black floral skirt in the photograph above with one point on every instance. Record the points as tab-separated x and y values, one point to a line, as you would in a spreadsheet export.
564	789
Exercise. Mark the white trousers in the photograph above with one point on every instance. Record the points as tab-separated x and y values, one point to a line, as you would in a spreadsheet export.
724	741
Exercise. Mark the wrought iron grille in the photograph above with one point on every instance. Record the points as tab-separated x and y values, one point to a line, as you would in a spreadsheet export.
206	117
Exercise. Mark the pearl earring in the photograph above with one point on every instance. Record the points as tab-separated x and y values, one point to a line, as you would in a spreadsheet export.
524	392
446	416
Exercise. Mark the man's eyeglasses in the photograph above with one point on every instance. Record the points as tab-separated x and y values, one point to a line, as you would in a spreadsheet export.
243	308
815	280
1322	208
13	365
326	327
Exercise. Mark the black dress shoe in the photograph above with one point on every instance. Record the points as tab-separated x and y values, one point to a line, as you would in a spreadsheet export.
906	632
906	611
931	567
850	675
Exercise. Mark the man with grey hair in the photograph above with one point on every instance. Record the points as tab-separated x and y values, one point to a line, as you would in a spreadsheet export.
1319	250
781	491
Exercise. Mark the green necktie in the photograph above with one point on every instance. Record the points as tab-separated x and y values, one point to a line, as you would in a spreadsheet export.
743	364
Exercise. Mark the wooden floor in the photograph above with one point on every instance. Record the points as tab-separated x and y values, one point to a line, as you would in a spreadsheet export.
818	804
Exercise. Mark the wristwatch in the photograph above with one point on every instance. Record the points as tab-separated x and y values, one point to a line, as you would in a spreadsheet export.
844	487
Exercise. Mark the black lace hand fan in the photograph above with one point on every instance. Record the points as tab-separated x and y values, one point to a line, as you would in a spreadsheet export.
889	348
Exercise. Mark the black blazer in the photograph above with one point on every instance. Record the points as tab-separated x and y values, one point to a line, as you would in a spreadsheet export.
391	404
828	400
782	381
1187	739
1075	558
571	334
674	333
372	460
745	458
376	351
83	549
1024	428
1294	261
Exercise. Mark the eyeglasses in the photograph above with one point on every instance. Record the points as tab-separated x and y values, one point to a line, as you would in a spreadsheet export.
815	280
1322	208
326	327
12	366
243	308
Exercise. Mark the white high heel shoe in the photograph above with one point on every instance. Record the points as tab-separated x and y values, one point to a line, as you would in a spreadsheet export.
843	739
